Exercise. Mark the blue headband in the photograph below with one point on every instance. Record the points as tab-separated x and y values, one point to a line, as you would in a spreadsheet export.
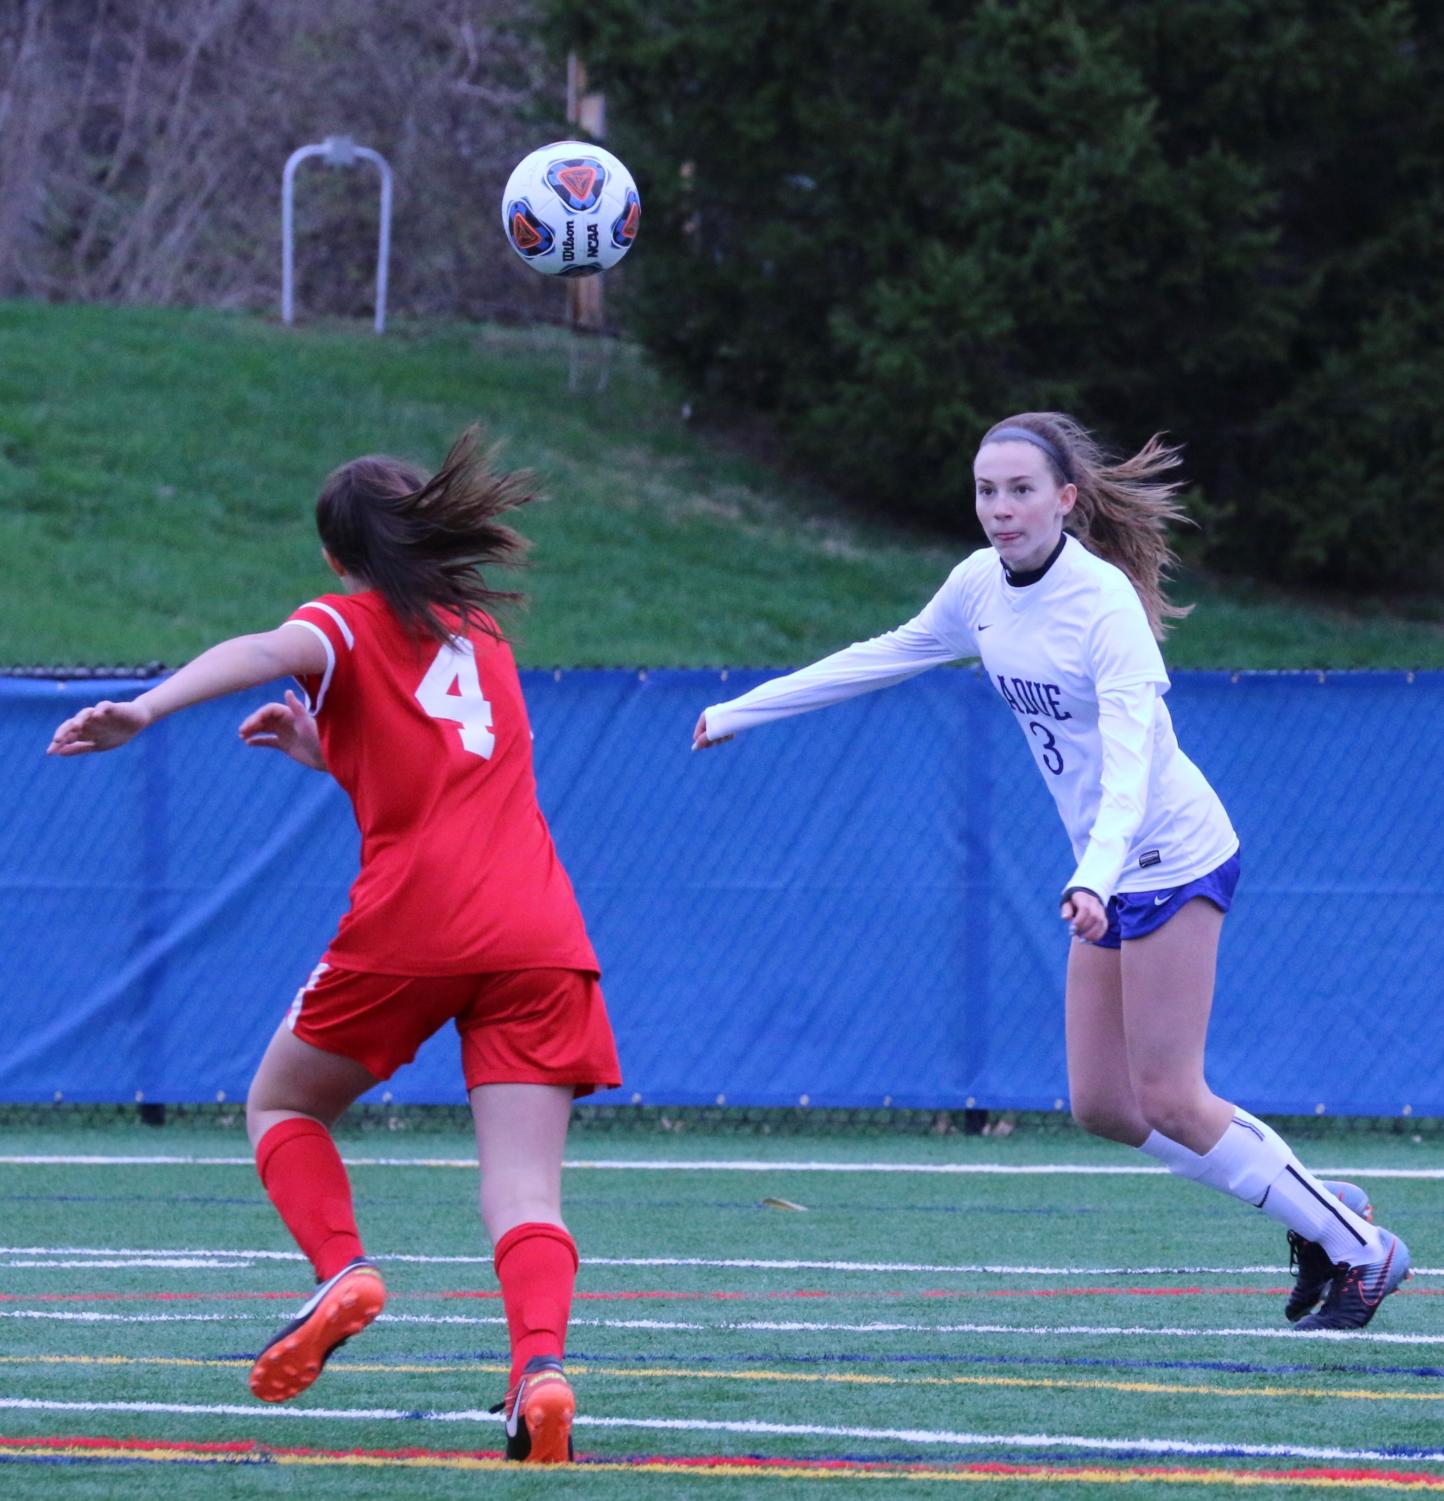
1027	435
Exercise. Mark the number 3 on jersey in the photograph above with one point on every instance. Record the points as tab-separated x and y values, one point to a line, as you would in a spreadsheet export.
1052	757
451	690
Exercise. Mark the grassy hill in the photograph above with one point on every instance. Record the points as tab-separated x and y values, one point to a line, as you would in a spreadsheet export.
158	470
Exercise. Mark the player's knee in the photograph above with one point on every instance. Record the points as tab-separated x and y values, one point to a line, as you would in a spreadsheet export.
267	1107
258	1120
1170	1108
263	1103
1101	1116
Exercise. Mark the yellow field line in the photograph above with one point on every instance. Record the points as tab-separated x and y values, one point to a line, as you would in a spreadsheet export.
819	1378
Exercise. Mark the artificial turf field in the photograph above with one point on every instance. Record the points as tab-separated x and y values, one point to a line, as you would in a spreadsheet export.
960	1312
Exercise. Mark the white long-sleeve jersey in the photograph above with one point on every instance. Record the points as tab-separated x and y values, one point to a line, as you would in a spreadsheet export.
1073	657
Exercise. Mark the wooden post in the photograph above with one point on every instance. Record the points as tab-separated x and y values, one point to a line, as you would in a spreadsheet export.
589	113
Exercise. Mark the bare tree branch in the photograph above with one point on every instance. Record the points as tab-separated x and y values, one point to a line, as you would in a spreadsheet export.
151	137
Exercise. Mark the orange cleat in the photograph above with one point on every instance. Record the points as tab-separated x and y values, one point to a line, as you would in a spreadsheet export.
539	1410
342	1306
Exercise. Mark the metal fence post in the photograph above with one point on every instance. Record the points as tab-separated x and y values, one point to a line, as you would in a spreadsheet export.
337	151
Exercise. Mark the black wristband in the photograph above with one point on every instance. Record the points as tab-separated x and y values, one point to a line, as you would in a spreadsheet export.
1074	890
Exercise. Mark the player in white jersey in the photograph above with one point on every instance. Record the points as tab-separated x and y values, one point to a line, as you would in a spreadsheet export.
1067	629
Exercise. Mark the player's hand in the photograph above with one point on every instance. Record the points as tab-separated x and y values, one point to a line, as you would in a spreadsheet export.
102	727
285	727
700	738
1084	914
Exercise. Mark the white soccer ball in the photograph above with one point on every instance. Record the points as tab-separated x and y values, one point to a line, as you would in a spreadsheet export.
570	209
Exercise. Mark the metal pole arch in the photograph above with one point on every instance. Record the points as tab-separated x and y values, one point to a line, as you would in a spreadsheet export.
288	224
338	151
383	242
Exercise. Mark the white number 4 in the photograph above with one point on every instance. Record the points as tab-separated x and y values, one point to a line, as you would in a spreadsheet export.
451	690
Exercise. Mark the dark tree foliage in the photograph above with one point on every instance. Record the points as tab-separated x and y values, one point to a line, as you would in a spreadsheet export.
890	222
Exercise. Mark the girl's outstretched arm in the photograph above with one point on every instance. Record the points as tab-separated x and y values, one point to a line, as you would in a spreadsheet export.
240	663
941	632
863	667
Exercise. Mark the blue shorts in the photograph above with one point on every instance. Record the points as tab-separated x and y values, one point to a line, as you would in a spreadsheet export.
1135	914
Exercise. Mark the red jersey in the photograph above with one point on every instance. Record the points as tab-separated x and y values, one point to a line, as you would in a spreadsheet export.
432	744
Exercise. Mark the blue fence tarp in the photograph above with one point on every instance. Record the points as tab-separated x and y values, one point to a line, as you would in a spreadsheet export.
856	908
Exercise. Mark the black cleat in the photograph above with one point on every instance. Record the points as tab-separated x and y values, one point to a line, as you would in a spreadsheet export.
1355	1292
1310	1262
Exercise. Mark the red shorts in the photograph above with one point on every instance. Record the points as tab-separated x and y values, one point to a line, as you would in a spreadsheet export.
526	1026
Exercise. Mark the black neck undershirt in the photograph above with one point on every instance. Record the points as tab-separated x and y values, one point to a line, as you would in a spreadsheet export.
1032	575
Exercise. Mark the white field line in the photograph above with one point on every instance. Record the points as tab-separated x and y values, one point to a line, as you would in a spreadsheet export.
925	1436
72	1316
955	1267
210	1263
765	1326
206	1255
727	1165
101	1256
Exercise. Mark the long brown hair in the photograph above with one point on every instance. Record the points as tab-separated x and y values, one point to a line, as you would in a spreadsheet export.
1124	506
422	542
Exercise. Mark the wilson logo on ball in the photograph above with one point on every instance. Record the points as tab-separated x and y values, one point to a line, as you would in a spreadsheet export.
577	181
530	236
624	226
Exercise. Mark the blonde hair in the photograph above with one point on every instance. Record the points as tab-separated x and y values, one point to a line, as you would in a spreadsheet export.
1124	506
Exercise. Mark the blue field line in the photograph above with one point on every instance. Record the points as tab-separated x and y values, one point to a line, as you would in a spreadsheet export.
845	1357
1082	1362
1012	1456
969	1456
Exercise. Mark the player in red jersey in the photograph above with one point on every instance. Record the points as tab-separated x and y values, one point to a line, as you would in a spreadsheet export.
461	911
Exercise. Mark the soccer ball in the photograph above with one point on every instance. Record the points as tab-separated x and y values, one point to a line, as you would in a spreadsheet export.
570	209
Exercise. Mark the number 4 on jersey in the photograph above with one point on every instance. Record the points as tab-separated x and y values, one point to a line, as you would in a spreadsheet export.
451	690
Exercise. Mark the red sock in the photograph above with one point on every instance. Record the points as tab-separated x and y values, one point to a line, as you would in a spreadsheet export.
536	1265
303	1173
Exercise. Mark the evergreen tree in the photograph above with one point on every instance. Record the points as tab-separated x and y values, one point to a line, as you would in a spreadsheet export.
890	222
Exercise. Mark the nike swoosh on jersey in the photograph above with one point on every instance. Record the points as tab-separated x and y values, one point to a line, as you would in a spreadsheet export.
1167	896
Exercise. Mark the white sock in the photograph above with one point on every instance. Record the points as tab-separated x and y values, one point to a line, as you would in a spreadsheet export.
1176	1157
1252	1162
1297	1199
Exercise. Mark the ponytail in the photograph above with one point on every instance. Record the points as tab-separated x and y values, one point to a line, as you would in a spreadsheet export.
422	543
1123	508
